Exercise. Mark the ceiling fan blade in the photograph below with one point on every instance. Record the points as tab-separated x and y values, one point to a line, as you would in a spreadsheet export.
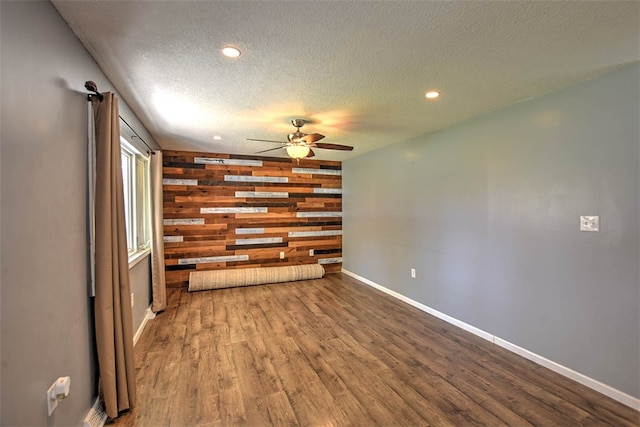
311	153
266	140
270	149
333	146
312	137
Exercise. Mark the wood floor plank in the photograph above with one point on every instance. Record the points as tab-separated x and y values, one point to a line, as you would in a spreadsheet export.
230	402
337	352
280	410
207	407
433	358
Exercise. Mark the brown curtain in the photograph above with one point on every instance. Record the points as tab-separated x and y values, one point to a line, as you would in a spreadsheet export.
114	327
159	290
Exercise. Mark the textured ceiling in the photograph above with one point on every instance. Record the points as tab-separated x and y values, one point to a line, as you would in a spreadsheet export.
357	69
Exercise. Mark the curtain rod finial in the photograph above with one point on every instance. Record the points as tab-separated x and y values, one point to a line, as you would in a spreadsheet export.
91	86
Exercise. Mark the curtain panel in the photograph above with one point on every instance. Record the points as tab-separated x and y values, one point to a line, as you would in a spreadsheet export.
113	317
159	290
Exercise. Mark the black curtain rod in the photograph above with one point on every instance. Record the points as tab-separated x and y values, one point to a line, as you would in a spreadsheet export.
135	135
92	87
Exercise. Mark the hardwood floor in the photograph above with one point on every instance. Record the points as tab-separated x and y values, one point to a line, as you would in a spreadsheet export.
335	352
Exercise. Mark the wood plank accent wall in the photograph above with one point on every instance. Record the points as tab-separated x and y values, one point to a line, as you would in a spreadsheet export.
232	211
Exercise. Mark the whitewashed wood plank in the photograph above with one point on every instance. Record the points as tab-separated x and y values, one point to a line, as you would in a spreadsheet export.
263	194
251	178
202	260
330	260
314	171
249	230
327	190
231	162
233	210
259	241
171	181
318	214
184	221
315	233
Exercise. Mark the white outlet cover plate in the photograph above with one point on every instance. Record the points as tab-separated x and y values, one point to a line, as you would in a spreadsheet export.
589	223
52	404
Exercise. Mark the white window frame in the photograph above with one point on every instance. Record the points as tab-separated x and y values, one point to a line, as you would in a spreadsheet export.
135	217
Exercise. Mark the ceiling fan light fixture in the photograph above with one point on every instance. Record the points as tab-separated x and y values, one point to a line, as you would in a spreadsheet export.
298	151
432	94
231	52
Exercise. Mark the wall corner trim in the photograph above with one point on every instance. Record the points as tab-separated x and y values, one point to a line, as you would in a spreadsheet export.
596	385
150	315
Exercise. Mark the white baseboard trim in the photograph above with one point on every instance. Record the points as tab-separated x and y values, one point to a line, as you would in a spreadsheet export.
149	316
613	393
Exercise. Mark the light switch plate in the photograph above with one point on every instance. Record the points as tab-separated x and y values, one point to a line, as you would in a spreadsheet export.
589	223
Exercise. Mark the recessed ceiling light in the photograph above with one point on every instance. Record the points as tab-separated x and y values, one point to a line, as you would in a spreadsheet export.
230	51
217	137
432	94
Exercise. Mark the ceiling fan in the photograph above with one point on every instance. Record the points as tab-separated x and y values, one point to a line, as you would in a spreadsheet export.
300	145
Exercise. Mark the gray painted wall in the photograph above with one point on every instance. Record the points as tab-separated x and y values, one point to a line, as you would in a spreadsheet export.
47	329
488	212
140	282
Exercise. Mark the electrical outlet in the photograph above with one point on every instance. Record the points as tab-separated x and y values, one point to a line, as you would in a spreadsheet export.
281	255
132	299
413	273
52	404
58	391
311	252
589	223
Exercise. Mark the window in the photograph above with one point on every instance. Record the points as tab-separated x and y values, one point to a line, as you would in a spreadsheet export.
135	180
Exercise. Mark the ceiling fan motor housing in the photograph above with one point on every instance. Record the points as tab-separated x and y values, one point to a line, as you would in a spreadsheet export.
296	137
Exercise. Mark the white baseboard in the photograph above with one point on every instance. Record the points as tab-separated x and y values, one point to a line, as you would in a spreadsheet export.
149	316
613	393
